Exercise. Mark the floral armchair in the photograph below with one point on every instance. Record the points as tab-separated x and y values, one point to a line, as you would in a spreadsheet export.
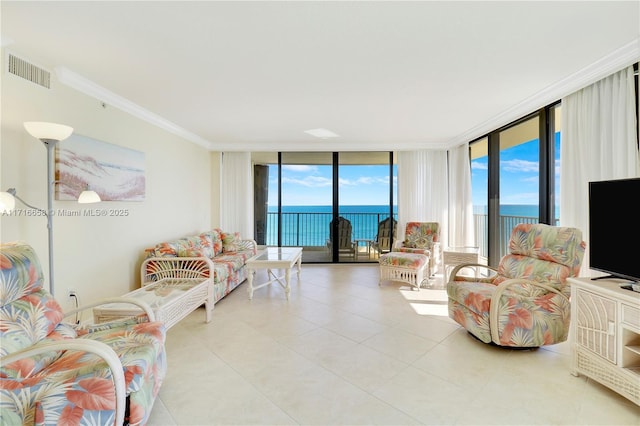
57	372
525	301
422	238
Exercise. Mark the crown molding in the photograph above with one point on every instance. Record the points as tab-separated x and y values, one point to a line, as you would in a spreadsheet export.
615	61
89	88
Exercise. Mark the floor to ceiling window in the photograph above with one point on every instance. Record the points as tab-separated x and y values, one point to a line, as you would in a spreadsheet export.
331	204
366	198
479	155
306	193
519	195
510	180
515	179
554	168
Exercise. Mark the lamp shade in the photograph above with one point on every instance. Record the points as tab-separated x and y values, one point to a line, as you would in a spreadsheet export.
49	131
88	197
7	202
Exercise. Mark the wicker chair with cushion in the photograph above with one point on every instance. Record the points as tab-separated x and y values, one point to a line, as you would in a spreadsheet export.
57	372
422	238
525	301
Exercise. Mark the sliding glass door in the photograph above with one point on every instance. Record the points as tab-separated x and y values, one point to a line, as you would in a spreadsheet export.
366	198
331	204
306	186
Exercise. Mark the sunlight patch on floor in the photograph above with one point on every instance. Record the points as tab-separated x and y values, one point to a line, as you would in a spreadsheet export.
427	301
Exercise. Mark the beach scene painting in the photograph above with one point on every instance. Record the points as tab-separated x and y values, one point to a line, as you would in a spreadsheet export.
114	172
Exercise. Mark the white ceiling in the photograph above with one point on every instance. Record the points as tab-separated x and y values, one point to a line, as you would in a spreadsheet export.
253	76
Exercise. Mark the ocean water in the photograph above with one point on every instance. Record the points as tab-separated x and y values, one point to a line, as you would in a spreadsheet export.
328	209
524	210
309	225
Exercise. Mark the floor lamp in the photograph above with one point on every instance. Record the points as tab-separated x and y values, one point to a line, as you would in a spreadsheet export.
49	134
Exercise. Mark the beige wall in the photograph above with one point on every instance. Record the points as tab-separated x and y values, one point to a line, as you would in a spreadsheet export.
100	256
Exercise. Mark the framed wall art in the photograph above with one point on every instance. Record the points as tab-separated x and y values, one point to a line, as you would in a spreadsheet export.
114	172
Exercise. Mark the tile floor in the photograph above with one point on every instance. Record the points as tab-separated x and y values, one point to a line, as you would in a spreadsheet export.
344	351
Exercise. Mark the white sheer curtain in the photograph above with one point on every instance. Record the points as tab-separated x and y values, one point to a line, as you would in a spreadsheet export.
598	142
236	193
423	190
461	227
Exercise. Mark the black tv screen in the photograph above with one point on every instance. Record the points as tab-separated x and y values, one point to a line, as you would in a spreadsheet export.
614	227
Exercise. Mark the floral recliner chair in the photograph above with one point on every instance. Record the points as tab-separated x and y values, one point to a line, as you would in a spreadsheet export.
54	372
525	301
422	238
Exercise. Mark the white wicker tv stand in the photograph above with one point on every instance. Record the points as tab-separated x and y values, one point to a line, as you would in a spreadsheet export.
605	334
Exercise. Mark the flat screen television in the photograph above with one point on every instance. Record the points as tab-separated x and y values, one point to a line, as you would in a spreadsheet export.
614	227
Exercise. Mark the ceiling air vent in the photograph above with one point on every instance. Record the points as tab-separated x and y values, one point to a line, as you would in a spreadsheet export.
30	72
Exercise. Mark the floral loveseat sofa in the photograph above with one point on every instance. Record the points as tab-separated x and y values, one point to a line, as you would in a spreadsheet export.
217	255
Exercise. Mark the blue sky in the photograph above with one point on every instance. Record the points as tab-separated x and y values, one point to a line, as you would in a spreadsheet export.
369	185
304	185
518	176
519	169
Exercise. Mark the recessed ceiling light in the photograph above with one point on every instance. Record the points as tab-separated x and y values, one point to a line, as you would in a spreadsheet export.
321	133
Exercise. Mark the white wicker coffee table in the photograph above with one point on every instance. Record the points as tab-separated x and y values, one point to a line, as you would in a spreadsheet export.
270	259
171	299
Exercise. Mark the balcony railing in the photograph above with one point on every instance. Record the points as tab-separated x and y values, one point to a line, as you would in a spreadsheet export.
506	223
305	229
312	229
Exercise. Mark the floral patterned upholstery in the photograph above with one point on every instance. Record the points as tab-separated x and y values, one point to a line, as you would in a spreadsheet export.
227	250
62	385
412	268
422	238
525	302
406	260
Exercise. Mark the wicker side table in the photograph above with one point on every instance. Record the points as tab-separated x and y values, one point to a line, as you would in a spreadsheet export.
454	256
